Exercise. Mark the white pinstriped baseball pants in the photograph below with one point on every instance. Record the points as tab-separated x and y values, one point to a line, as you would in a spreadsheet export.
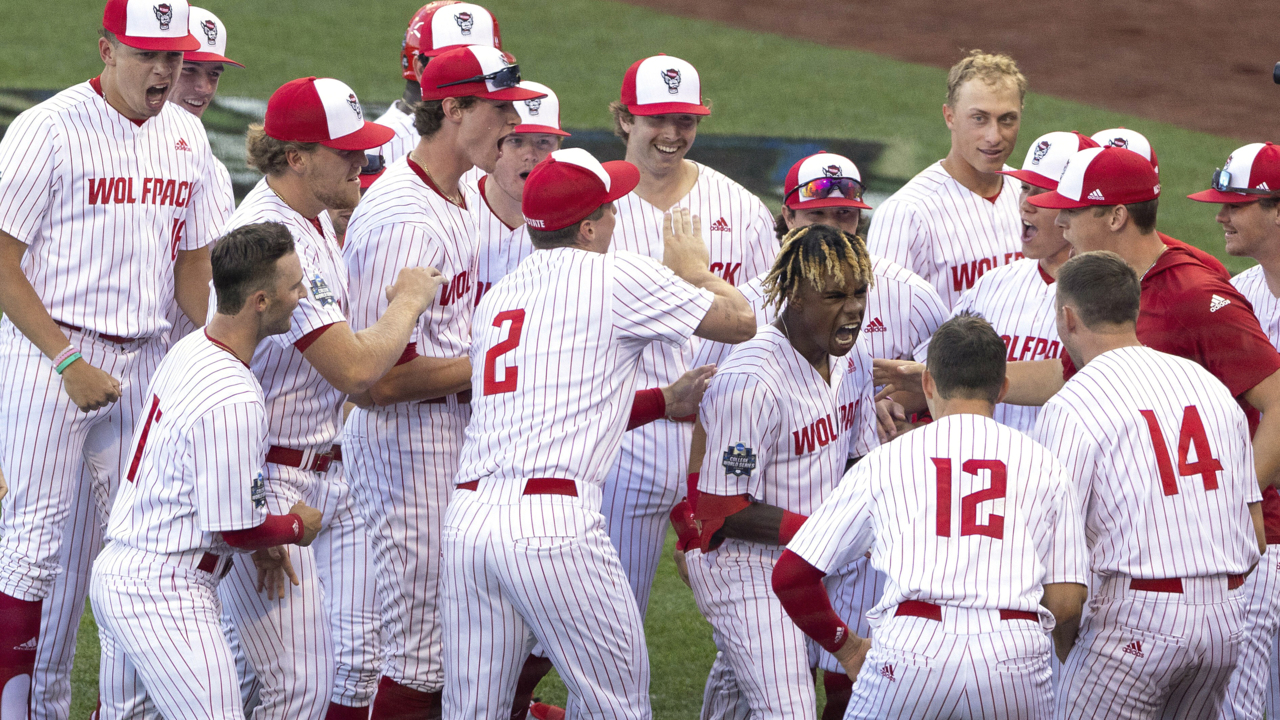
917	669
1249	691
1153	655
540	564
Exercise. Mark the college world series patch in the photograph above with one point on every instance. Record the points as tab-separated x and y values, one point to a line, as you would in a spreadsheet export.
739	460
321	292
258	491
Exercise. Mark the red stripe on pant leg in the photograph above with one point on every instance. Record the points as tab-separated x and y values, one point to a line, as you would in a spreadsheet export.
18	637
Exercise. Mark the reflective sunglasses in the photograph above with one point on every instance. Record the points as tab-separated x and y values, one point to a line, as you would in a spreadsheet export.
821	188
1222	183
507	77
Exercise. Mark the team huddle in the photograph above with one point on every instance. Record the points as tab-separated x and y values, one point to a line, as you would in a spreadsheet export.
408	426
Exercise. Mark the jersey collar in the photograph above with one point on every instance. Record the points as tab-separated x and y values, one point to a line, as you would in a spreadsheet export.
96	84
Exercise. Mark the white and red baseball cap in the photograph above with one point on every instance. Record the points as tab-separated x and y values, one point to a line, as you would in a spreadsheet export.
1047	158
1248	175
212	34
570	184
662	84
1129	140
445	25
540	114
821	181
474	71
1102	176
150	25
322	110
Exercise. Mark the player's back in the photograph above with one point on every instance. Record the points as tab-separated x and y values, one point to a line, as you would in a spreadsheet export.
1161	457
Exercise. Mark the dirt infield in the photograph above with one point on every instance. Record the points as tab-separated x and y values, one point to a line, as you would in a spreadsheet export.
1200	64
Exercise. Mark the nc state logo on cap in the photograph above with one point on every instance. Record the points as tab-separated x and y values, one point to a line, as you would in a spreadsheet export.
1119	142
164	13
210	31
465	22
1041	150
671	77
355	105
831	171
533	105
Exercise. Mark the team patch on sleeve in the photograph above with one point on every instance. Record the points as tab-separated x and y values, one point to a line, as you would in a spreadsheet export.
739	460
321	292
258	491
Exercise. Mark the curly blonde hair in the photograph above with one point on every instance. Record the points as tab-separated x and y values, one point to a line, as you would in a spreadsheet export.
810	252
992	68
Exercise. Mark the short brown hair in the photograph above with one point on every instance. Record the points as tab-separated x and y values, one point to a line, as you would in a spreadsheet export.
428	115
993	69
621	114
268	155
564	237
967	359
1142	214
109	36
244	262
1101	287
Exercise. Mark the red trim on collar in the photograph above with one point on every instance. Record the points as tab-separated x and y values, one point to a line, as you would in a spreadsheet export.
96	84
315	222
995	197
1046	277
427	179
224	346
480	184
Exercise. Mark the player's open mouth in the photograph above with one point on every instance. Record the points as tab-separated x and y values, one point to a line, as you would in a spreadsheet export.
667	149
156	95
524	176
1029	231
195	103
846	334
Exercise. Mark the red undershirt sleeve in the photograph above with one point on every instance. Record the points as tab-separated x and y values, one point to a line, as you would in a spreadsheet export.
648	406
798	586
305	341
410	352
275	530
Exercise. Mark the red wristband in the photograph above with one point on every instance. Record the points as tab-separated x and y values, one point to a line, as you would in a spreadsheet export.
275	530
789	526
686	527
649	405
799	588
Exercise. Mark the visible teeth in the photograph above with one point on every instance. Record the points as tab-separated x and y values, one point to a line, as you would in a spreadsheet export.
666	148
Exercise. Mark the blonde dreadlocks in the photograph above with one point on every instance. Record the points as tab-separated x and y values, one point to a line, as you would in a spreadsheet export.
810	252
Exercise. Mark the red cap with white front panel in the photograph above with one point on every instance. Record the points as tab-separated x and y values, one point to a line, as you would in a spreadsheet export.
148	25
1047	158
324	111
570	184
1102	176
661	85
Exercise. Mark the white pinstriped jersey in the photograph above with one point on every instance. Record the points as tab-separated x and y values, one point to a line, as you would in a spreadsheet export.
858	382
946	234
196	467
739	232
305	410
499	247
775	429
1018	301
403	221
1252	284
406	139
902	311
962	512
554	362
1162	462
104	205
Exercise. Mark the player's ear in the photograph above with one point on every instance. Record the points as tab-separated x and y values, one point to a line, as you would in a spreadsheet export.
106	51
296	158
1118	218
1004	390
929	386
948	116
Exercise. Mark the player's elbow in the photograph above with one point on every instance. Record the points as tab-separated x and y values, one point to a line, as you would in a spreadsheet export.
731	324
1065	601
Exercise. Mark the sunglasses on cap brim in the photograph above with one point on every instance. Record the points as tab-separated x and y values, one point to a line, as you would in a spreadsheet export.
822	188
374	164
1222	183
507	77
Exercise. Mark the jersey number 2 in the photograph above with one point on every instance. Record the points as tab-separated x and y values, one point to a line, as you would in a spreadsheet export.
1191	433
510	373
969	525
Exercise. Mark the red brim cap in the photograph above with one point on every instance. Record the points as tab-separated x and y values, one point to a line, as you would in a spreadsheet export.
370	136
569	185
668	109
546	129
209	58
825	202
367	180
1031	178
161	44
623	178
1056	201
1230	198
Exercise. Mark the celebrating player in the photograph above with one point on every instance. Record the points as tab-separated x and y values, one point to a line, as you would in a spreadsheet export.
94	248
784	414
1163	633
195	493
958	218
1251	223
976	530
556	348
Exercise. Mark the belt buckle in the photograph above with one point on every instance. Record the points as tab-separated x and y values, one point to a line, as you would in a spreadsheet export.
322	461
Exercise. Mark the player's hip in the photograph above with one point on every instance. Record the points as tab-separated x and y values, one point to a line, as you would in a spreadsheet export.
119	565
511	512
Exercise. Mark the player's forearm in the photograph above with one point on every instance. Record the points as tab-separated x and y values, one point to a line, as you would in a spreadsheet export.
275	530
20	303
1066	602
1033	382
763	523
192	272
730	319
1259	526
799	588
422	378
1266	439
377	348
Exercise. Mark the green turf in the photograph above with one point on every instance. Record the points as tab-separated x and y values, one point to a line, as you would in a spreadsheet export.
760	84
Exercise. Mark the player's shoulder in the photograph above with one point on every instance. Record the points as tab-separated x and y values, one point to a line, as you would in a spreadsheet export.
758	356
710	178
1251	283
398	197
1019	272
394	117
627	261
891	273
260	205
205	374
928	184
50	115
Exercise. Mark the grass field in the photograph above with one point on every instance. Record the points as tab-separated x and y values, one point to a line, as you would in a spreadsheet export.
760	84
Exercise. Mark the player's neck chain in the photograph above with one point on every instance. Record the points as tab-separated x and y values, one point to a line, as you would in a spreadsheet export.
1143	276
435	182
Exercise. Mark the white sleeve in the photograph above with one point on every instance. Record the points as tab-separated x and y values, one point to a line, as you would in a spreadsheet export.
651	303
841	530
208	206
928	312
742	420
1057	429
893	235
317	310
1067	559
27	165
374	261
229	448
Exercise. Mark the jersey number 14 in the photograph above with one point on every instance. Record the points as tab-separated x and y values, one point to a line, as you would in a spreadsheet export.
1191	434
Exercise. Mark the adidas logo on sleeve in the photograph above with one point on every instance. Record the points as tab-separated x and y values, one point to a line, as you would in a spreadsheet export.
1216	303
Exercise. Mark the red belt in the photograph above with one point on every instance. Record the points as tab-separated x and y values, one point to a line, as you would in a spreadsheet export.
109	338
1174	585
209	563
289	457
464	397
536	486
929	611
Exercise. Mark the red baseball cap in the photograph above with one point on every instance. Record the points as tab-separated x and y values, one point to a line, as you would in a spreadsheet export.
541	114
570	184
1122	137
1102	176
474	71
323	111
1047	158
662	84
204	24
433	30
821	173
148	25
1253	168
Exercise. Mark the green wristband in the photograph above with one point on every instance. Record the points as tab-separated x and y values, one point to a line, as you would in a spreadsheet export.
63	365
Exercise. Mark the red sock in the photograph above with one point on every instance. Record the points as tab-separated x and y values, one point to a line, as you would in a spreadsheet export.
18	636
839	689
535	668
397	702
344	712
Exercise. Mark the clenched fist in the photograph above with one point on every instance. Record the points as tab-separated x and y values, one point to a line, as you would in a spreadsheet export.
417	284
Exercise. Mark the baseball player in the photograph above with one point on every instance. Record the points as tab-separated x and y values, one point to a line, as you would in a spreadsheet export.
657	116
436	28
1166	612
958	218
311	147
975	528
93	249
785	414
1251	223
194	493
556	350
402	455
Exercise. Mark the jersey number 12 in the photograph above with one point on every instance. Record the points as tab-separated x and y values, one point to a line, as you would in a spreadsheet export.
510	373
969	525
